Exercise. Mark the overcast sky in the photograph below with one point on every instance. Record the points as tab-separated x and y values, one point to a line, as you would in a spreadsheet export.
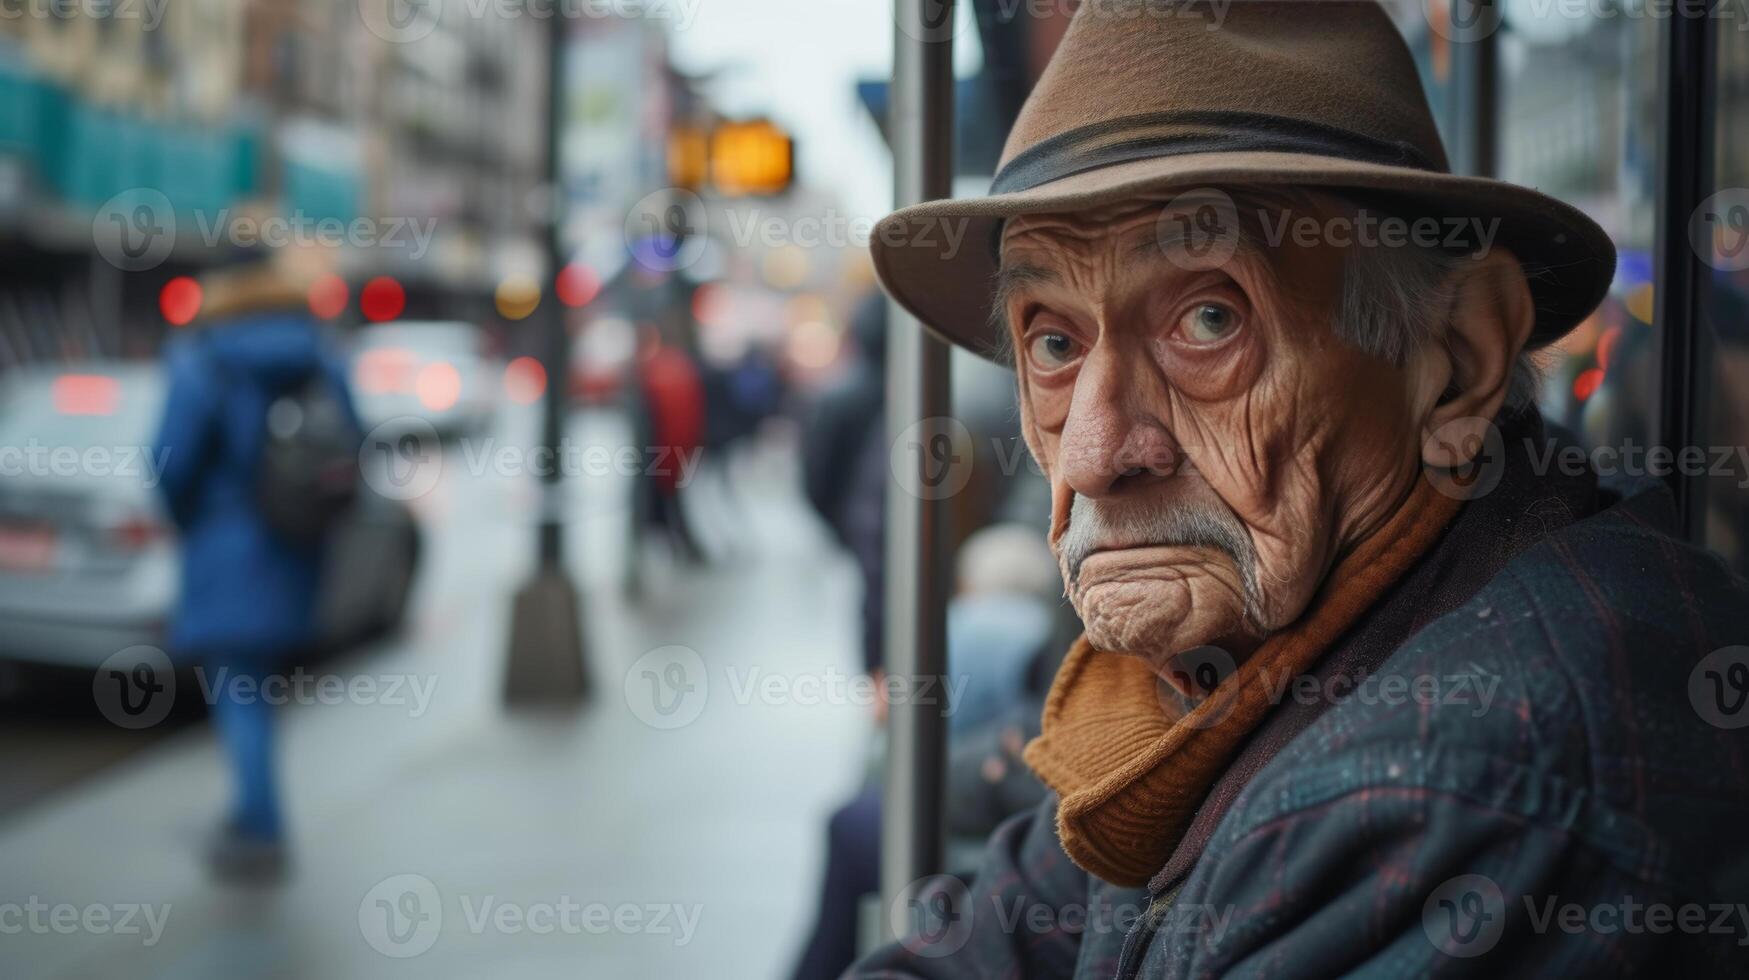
798	61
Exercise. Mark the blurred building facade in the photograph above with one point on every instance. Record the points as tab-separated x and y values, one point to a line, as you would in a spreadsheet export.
288	108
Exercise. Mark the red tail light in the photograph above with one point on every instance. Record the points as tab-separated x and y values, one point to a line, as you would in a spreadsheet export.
86	394
136	534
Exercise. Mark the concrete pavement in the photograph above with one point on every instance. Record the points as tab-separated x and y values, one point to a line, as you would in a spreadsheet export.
671	828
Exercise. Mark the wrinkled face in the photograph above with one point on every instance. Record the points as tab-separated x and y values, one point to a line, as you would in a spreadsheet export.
1212	445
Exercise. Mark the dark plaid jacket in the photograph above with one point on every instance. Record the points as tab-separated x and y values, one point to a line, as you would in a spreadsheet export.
1530	758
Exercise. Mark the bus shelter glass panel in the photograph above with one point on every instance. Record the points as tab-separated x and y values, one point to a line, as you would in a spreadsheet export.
1578	120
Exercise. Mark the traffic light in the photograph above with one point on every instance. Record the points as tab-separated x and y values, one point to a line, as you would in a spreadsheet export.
754	157
689	156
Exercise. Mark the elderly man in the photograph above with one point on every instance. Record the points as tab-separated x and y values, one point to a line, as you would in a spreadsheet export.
1367	684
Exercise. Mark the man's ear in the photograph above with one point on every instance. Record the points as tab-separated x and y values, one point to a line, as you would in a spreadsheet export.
1491	317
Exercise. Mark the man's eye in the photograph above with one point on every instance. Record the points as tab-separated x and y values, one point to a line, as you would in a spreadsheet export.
1206	323
1053	349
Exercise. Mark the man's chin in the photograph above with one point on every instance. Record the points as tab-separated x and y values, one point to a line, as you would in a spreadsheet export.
1157	617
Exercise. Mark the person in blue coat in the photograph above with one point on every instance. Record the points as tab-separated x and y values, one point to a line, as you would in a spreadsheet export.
248	594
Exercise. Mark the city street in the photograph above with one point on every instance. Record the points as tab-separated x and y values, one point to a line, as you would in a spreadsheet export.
436	835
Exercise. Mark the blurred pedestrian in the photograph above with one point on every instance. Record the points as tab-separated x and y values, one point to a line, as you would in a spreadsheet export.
845	465
840	420
255	426
674	429
1000	631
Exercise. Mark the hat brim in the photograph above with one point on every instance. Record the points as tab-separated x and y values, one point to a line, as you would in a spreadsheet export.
938	261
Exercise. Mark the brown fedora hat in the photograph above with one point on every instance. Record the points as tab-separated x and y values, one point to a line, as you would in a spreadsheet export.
1145	96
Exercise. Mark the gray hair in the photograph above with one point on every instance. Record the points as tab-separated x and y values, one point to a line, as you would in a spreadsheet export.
1395	300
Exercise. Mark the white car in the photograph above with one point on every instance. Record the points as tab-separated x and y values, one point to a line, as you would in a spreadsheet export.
88	562
437	371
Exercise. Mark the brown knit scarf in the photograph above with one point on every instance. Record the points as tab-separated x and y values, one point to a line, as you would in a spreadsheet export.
1130	771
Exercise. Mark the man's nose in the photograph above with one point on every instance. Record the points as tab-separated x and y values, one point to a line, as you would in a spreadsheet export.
1111	445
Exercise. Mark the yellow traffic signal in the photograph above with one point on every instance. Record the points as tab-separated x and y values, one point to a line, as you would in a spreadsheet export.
688	156
752	157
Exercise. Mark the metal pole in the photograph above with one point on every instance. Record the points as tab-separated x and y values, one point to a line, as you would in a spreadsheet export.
1686	72
546	662
555	352
917	586
1475	84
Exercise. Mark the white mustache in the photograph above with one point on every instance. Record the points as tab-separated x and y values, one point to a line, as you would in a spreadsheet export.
1096	525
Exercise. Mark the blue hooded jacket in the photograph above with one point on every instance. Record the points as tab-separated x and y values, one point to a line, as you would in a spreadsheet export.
245	590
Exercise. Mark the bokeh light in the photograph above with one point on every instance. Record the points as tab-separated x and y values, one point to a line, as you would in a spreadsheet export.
712	305
516	297
813	344
328	296
525	380
438	386
785	268
1587	383
179	300
577	285
382	299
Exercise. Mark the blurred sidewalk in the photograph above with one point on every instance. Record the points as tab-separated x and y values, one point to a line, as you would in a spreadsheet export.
484	844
